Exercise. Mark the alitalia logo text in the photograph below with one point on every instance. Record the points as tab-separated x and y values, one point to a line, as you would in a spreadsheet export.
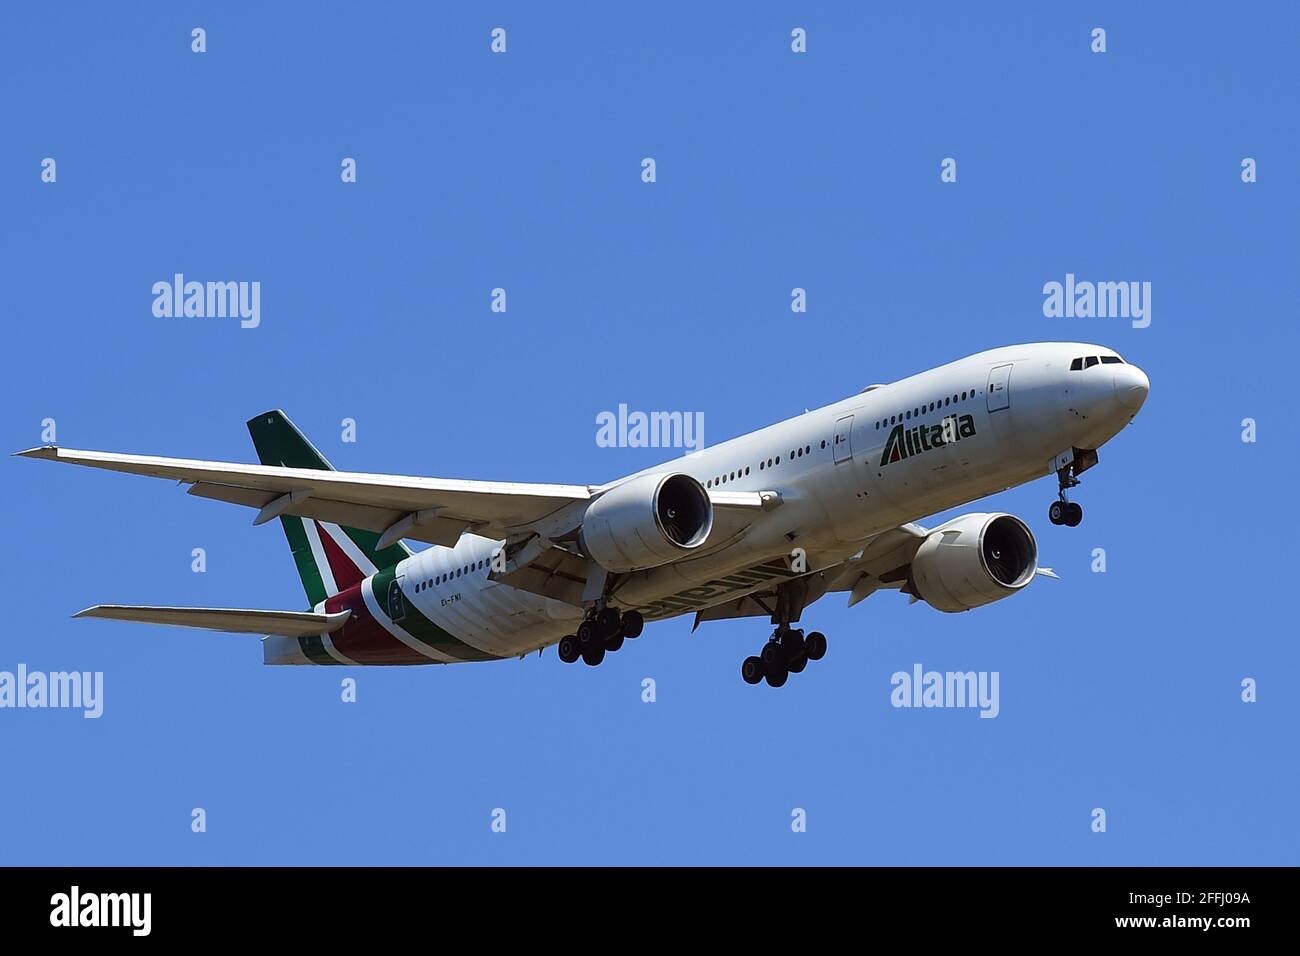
904	442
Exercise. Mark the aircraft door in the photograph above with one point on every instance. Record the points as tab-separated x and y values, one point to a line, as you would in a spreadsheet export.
842	440
999	391
396	599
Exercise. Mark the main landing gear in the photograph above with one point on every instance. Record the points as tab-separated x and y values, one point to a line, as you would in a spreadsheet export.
1063	511
603	631
787	652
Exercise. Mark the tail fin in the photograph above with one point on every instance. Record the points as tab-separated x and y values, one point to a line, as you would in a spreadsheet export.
330	557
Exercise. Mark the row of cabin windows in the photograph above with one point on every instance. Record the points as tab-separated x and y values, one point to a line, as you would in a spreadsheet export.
762	466
442	578
1088	361
923	409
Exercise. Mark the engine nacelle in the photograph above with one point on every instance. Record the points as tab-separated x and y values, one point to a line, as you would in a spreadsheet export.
974	560
646	522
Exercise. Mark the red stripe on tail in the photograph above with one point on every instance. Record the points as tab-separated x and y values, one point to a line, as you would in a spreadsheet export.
346	573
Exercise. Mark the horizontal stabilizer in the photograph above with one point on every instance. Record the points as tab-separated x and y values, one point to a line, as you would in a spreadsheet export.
234	620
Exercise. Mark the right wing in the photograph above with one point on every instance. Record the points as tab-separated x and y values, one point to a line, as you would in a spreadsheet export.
234	620
883	562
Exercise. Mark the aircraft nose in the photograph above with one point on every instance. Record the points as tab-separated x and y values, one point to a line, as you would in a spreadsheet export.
1131	386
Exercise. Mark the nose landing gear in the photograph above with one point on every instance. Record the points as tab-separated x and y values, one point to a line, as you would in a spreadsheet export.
1063	511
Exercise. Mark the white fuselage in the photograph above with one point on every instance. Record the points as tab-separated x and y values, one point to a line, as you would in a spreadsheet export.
1007	414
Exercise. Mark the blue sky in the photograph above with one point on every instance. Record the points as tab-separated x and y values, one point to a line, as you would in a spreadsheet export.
1118	690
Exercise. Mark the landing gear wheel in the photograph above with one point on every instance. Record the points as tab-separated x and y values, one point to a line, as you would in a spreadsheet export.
793	651
593	656
607	621
778	676
633	622
771	655
1056	513
815	646
751	671
587	635
1073	514
568	649
613	643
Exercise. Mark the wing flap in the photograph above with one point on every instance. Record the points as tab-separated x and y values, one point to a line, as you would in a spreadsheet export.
555	573
886	552
231	620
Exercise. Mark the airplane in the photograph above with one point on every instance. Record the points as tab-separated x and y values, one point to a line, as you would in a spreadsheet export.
762	525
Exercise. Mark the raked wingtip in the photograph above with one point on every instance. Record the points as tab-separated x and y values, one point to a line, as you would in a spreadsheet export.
40	451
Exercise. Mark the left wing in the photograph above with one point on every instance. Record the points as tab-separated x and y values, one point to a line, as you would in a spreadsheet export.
437	510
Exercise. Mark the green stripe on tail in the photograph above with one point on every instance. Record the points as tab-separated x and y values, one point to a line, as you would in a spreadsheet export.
279	442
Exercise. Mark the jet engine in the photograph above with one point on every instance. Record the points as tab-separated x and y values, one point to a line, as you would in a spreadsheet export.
973	560
646	522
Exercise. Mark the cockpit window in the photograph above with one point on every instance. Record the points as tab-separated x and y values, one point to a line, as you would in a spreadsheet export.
1088	361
